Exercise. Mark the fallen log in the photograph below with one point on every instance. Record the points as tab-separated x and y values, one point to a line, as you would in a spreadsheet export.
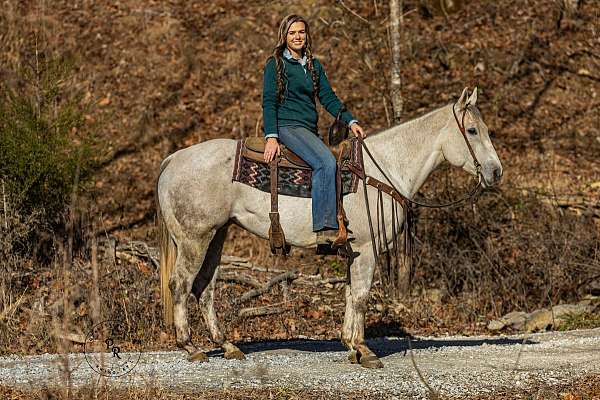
134	250
239	278
311	281
260	311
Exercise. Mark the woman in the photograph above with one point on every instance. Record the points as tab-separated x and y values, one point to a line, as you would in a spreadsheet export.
293	79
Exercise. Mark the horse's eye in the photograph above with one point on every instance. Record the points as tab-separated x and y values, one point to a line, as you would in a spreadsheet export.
472	131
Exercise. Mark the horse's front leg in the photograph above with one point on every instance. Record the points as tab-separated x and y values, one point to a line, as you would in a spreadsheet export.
349	323
361	271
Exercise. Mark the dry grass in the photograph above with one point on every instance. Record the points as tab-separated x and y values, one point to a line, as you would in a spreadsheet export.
163	394
587	388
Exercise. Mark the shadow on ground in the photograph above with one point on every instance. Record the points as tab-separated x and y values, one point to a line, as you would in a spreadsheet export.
381	346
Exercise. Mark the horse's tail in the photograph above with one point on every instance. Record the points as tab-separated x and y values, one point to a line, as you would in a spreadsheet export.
168	255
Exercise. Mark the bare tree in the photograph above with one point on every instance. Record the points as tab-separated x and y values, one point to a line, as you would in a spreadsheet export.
566	8
395	272
396	80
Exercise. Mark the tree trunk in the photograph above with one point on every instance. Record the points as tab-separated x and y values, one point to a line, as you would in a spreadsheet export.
396	81
398	283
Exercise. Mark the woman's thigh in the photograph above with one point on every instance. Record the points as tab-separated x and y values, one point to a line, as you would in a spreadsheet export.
305	144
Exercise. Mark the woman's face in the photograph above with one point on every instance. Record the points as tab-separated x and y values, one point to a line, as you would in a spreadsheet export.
296	37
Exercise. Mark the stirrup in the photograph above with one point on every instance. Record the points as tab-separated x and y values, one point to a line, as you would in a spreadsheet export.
326	237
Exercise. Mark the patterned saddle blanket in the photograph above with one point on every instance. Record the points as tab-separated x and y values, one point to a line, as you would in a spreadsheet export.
294	176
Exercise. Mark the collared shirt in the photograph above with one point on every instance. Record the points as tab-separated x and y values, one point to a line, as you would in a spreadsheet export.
294	112
288	54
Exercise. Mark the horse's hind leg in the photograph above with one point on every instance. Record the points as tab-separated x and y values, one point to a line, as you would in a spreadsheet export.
206	303
204	288
189	260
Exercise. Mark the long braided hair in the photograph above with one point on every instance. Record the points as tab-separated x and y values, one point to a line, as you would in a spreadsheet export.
284	27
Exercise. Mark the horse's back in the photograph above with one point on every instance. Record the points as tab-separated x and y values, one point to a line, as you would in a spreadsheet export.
203	156
194	186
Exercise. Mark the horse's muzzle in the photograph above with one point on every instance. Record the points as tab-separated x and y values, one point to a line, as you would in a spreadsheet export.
492	174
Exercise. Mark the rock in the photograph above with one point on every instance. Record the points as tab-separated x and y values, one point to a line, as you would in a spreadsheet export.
515	319
573	309
590	300
495	325
539	320
543	319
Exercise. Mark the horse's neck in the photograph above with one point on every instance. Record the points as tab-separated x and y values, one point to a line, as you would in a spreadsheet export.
407	153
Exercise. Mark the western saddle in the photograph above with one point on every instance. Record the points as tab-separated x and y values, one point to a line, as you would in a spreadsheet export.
253	148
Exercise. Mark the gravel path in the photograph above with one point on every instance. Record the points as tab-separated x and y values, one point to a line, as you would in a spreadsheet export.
451	365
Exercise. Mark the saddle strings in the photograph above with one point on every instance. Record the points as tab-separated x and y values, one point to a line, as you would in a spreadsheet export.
408	205
392	257
390	276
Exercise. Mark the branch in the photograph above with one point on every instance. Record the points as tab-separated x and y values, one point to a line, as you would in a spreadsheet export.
259	311
354	12
286	276
134	250
239	278
234	262
307	281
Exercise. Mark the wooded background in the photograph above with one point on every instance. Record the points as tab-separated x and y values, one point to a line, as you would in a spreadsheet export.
137	80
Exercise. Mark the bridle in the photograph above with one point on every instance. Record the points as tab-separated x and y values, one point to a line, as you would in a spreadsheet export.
408	205
471	194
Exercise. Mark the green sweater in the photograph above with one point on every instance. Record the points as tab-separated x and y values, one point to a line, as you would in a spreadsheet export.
298	107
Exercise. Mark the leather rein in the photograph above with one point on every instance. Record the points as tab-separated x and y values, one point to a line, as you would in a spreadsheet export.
406	204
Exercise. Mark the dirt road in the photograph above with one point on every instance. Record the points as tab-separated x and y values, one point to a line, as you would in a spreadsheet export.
452	365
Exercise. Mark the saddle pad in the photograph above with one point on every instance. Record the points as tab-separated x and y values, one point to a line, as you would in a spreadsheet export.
294	182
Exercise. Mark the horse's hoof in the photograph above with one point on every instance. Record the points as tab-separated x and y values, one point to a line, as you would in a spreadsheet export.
371	361
198	356
234	355
353	356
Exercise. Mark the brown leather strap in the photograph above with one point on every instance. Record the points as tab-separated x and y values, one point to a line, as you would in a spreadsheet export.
461	128
273	166
371	231
276	235
355	169
342	234
385	188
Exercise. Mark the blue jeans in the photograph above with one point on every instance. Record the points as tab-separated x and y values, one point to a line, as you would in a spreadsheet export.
316	154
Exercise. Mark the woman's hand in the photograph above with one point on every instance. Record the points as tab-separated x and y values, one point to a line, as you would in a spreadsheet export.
358	130
271	148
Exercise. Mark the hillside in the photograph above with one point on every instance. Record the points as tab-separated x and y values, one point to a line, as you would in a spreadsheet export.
164	75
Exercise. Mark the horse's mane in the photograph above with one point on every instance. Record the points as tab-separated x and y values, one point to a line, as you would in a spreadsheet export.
410	121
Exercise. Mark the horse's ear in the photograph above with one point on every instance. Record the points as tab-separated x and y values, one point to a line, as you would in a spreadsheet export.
462	101
473	98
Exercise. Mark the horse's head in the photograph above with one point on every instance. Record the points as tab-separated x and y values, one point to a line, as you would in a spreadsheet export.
455	148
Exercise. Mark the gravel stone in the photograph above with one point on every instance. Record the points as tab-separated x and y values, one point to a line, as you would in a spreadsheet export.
453	366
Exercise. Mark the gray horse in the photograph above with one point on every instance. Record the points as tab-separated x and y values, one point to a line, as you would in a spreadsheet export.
197	201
